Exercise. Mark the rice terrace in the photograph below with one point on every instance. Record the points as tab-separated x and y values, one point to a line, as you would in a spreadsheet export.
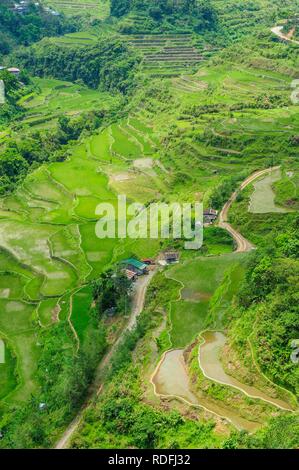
140	343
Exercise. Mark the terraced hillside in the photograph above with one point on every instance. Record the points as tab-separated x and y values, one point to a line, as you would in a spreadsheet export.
49	250
241	19
192	132
96	8
167	55
48	245
44	109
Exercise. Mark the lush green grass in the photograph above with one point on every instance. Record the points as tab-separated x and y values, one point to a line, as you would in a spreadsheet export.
187	320
200	279
16	324
226	119
56	98
123	145
12	285
287	189
96	8
98	252
47	311
7	373
82	303
68	192
27	350
221	302
70	174
263	197
100	145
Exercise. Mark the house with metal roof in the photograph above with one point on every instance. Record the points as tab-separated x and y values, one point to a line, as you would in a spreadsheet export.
171	256
136	266
210	215
14	71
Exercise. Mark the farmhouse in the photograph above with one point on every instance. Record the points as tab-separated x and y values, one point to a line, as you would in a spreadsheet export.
135	266
14	71
130	275
171	257
210	215
148	261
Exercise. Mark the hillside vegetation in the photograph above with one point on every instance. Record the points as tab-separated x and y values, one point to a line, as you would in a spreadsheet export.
162	101
30	26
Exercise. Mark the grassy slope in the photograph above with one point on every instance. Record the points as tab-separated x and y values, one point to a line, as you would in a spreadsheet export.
94	8
192	149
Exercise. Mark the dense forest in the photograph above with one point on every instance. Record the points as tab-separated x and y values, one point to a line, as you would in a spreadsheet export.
20	157
198	15
30	26
269	295
109	64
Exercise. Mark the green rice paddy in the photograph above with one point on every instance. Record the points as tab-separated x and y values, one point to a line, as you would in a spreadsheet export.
263	197
95	8
207	288
48	247
58	98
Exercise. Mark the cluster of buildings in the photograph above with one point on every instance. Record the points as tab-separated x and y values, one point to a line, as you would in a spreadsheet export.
23	7
133	268
51	12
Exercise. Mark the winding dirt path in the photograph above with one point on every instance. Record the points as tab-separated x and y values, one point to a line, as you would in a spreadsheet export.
170	380
95	388
242	245
169	383
212	368
277	30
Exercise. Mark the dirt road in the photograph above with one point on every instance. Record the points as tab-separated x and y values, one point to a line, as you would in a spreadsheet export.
277	30
141	285
242	244
95	388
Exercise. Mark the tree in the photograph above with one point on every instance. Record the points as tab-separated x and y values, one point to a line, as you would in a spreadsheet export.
120	7
112	290
12	164
10	81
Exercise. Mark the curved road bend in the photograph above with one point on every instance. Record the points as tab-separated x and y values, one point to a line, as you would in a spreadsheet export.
141	285
95	388
242	245
277	30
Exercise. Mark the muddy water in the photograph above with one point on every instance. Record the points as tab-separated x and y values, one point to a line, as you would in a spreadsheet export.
210	364
171	379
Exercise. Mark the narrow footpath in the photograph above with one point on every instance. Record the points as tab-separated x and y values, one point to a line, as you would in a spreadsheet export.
95	388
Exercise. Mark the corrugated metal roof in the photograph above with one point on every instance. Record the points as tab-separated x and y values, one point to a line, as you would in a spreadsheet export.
134	262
